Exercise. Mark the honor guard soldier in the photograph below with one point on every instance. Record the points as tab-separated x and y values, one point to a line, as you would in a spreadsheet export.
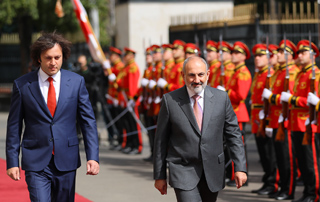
155	92
127	81
113	96
175	79
264	141
213	61
306	153
145	106
225	59
147	75
191	49
168	59
238	88
283	145
239	84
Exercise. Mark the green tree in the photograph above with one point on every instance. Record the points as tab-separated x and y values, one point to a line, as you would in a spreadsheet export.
29	16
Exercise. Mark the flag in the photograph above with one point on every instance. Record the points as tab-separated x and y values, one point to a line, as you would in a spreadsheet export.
58	9
93	44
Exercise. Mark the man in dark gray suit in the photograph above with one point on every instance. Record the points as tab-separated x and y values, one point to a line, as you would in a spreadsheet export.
192	123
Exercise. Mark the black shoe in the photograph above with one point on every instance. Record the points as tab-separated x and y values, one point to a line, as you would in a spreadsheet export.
266	191
231	183
274	195
257	190
284	196
309	199
299	182
134	151
305	198
127	150
149	159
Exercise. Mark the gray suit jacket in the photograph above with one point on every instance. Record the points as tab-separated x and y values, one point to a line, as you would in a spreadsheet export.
189	151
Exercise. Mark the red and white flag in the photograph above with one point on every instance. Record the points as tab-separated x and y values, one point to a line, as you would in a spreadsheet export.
94	45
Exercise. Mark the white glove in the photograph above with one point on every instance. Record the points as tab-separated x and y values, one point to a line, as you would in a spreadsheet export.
152	84
266	93
162	83
307	122
280	120
221	88
106	64
149	100
144	82
157	100
312	99
261	114
269	132
285	96
112	77
314	122
115	102
131	103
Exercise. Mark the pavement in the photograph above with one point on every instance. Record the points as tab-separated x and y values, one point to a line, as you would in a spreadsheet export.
125	178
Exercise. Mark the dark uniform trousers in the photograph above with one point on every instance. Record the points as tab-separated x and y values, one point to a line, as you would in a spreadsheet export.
285	157
307	156
268	161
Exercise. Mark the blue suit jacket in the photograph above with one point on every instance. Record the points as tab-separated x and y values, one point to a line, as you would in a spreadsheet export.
30	115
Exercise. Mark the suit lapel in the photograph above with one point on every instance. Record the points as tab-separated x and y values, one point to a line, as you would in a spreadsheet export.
64	93
208	104
186	108
36	92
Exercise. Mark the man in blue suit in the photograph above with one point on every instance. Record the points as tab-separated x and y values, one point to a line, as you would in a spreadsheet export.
45	106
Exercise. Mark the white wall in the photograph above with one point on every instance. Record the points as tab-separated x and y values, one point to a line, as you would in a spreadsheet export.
138	22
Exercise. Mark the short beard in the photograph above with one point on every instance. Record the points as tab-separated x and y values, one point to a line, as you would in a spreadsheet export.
199	89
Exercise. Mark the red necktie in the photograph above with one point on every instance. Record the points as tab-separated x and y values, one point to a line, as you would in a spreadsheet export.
51	102
197	110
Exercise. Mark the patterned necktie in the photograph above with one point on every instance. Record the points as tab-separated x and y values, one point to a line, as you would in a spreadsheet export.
51	102
197	110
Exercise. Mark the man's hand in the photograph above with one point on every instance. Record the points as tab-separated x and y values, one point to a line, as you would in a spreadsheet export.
92	167
240	178
14	173
161	185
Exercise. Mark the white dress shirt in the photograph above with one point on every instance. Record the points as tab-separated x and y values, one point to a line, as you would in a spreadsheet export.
200	101
44	84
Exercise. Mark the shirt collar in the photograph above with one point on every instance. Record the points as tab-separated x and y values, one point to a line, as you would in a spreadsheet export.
191	93
44	76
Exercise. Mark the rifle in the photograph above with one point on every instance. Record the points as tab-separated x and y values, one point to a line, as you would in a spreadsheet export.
308	134
196	41
280	136
144	103
163	66
204	47
222	75
263	122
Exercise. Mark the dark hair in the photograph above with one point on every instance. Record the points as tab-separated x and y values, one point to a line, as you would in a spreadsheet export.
47	41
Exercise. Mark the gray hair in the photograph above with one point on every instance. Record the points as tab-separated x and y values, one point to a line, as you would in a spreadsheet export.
187	60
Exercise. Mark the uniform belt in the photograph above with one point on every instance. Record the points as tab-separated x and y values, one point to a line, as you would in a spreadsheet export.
256	106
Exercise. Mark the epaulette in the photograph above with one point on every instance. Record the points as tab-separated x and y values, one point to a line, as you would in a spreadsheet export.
133	68
244	75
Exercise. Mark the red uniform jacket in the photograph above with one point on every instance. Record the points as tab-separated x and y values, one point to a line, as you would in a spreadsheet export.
175	80
277	86
128	79
299	109
112	91
214	70
238	88
258	84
